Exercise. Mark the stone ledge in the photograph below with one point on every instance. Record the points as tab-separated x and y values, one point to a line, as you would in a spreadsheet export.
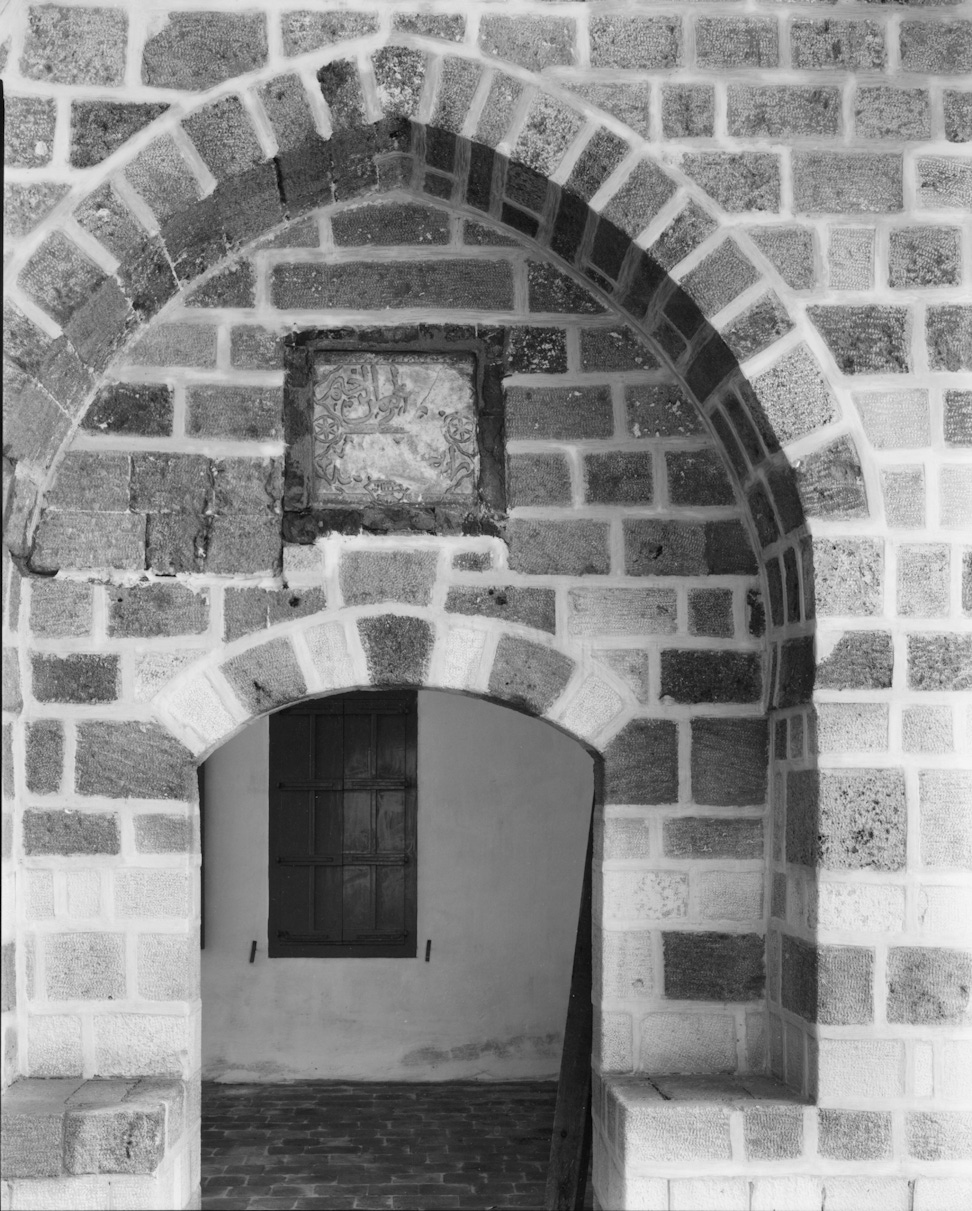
64	1127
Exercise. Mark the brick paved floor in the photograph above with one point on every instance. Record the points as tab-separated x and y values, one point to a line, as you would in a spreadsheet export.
321	1144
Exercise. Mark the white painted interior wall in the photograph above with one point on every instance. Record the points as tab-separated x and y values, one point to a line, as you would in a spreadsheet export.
503	808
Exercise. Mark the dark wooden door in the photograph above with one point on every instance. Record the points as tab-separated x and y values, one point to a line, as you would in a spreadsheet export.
342	827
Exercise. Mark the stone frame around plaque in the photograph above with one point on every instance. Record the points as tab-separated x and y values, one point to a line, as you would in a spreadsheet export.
313	507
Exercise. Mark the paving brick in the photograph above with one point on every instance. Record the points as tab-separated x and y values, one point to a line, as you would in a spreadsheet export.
198	50
75	45
729	761
713	966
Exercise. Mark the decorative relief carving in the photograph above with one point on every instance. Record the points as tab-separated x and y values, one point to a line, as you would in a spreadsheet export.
394	428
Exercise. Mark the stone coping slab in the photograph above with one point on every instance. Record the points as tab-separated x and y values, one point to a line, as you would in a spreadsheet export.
736	1091
56	1127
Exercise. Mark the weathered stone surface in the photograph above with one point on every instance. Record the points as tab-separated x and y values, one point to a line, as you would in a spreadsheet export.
713	837
484	285
537	479
570	548
533	42
162	177
892	113
88	541
720	277
391	223
866	340
958	418
683	235
305	31
285	102
849	576
688	111
850	258
161	833
26	205
948	333
75	45
90	480
830	481
641	763
177	345
114	1140
738	180
697	477
77	677
244	413
266	676
157	609
943	1135
60	607
44	756
28	131
936	46
100	127
854	1135
939	661
399	75
552	290
614	349
773	1133
846	819
736	42
33	1139
861	660
923	580
929	985
550	128
729	761
710	612
829	43
847	182
255	348
618	477
945	797
368	577
713	966
341	88
528	675
924	256
70	832
131	409
671	548
232	287
791	250
783	110
639	43
122	760
197	50
710	676
660	410
85	966
253	609
958	115
501	101
527	606
397	649
757	327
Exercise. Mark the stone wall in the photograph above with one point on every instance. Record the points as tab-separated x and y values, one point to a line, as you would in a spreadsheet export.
798	182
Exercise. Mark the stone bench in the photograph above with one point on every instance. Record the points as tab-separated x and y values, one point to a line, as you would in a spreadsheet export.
109	1143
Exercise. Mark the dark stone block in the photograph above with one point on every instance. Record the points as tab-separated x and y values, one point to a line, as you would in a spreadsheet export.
609	248
254	348
569	226
757	328
247	485
537	351
861	660
100	127
233	287
929	985
398	649
660	410
924	256
527	606
130	760
958	418
729	761
561	413
75	678
61	279
831	483
773	1132
368	577
865	340
391	223
266	676
713	362
694	676
614	349
567	548
244	543
244	413
537	479
618	477
89	479
697	477
755	613
528	675
789	506
194	239
160	833
176	483
70	832
341	89
713	837
641	763
481	285
671	548
176	542
195	51
797	669
761	511
45	756
948	334
525	187
305	175
710	613
703	966
939	661
148	278
550	289
287	107
157	609
854	1135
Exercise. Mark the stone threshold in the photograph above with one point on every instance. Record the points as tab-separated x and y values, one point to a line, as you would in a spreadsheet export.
58	1127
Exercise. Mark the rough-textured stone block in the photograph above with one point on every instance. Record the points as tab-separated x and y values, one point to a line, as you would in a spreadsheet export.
757	327
70	832
939	661
528	675
852	727
90	480
152	894
924	256
942	46
830	481
861	660
729	761
28	131
794	395
944	181
744	180
660	410
927	729
958	418
942	1135
618	477
736	42
929	985
923	580
850	258
305	31
846	182
161	833
614	349
957	106
773	1133
397	649
131	409
713	837
26	206
224	137
904	497
948	333
783	110
266	676
157	609
60	607
113	1140
167	967
730	896
713	966
690	227
162	177
697	477
711	676
791	251
945	798
537	479
688	111
846	819
849	576
198	50
177	345
550	128
75	45
710	613
669	548
232	287
287	107
892	113
133	760
641	763
635	42
686	1043
100	127
45	756
483	285
854	1135
372	576
33	1139
527	606
570	548
85	966
553	291
829	43
720	277
894	419
75	678
533	42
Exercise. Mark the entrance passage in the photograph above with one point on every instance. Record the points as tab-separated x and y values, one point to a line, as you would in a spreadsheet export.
323	1144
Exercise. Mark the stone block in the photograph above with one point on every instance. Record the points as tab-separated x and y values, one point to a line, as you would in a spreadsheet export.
266	676
690	227
638	43
548	131
894	419
849	576
618	477
83	893
729	761
149	610
232	287
537	479
945	798
107	1139
929	985
122	759
551	290
738	181
957	106
569	548
152	894
830	43
224	137
39	894
697	477
100	127
397	649
368	577
669	548
26	206
955	496
195	51
688	111
773	1133
141	1044
33	1138
924	256
75	678
703	966
694	676
8	977
847	182
855	1068
687	1043
176	345
927	729
736	42
854	1135
881	112
530	607
625	837
774	111
846	819
254	348
244	543
641	763
940	47
70	832
29	131
528	675
287	107
614	349
626	966
923	580
44	756
486	285
939	661
852	727
75	45
60	278
794	396
163	833
904	497
941	1193
305	31
948	334
393	223
958	418
791	251
85	966
611	1047
860	660
501	101
645	895
167	967
850	258
661	1133
757	327
710	612
713	837
533	42
163	178
729	896
131	410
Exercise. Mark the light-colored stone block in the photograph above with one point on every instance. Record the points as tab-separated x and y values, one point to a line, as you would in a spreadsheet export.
38	894
590	709
867	1193
687	1043
461	659
54	1045
955	495
786	1194
302	564
83	893
894	419
196	705
957	1069
645	1193
621	611
871	908
861	1068
87	966
154	669
645	895
626	837
852	727
942	1194
152	893
627	963
946	818
613	1042
60	1194
712	1193
923	1064
944	910
927	729
168	967
654	1135
328	647
730	895
136	1044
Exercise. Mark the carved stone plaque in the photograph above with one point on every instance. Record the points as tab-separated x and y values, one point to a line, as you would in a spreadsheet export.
393	428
